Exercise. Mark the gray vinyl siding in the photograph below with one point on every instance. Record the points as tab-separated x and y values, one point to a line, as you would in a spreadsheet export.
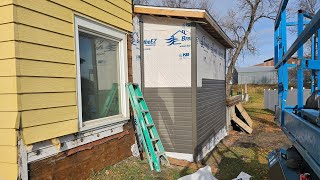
171	110
211	108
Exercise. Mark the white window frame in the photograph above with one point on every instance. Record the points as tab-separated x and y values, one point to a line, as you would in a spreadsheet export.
104	31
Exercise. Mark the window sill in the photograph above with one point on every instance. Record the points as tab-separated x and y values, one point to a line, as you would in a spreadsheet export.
102	123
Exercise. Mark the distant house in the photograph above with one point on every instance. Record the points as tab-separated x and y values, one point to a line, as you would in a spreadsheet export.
263	73
257	75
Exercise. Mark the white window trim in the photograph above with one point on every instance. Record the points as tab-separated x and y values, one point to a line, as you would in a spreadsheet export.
107	32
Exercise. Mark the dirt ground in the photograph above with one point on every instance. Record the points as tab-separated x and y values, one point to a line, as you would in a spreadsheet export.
237	152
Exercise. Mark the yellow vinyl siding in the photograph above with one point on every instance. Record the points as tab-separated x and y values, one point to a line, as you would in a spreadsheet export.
42	21
46	116
8	102
41	49
111	8
8	85
6	14
11	154
28	34
8	171
37	84
123	4
82	7
9	120
5	2
6	32
45	69
7	49
47	100
8	67
8	137
49	131
44	53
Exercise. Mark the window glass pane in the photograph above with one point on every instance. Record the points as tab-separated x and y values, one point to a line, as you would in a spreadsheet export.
99	77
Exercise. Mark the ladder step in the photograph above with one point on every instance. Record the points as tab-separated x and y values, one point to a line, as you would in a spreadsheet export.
144	111
155	139
150	125
160	154
140	97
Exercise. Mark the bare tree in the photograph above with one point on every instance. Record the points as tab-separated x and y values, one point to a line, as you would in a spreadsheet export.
310	6
201	4
239	24
142	2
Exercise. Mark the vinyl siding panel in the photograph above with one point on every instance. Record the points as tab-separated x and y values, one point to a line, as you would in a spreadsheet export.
171	112
6	32
8	67
211	109
9	120
8	137
49	131
6	14
6	2
9	102
8	171
9	154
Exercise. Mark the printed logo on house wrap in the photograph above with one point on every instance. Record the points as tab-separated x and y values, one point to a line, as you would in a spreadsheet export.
150	42
178	37
185	55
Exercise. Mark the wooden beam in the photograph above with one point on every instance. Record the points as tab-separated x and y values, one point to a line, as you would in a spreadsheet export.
244	114
242	125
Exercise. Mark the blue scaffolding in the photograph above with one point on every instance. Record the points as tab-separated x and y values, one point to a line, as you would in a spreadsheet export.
295	121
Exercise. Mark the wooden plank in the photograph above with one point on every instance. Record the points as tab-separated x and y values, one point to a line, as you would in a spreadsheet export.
122	4
9	120
47	116
44	53
35	19
6	14
7	32
45	85
96	13
48	8
49	131
168	12
8	171
45	69
8	67
9	85
8	137
47	100
9	154
243	125
9	102
7	49
28	34
244	114
111	8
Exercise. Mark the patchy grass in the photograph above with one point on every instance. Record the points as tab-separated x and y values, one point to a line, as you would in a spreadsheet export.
134	168
238	152
243	152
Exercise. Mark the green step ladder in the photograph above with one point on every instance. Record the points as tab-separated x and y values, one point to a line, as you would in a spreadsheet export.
149	135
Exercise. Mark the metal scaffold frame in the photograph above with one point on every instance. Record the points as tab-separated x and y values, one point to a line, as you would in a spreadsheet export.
304	135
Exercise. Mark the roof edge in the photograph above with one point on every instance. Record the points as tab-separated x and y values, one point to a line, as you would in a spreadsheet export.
184	12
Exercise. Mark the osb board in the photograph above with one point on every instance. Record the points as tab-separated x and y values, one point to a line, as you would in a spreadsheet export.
8	137
48	116
8	154
243	125
8	171
49	131
9	120
244	114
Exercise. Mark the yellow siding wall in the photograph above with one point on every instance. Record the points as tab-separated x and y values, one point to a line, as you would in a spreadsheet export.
45	60
37	67
9	114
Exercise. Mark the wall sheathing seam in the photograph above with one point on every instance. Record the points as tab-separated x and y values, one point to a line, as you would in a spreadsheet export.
194	89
